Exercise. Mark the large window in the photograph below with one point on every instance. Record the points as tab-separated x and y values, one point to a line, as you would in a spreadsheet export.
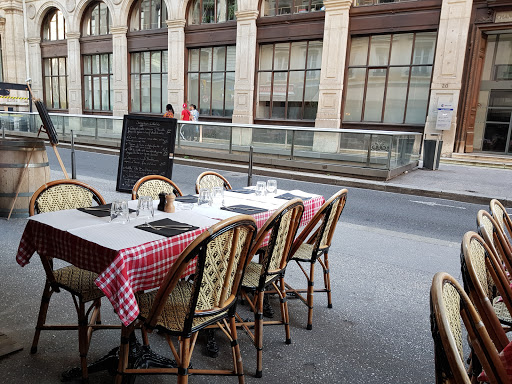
149	81
148	14
211	80
55	83
389	77
285	7
97	20
211	11
54	26
288	80
98	94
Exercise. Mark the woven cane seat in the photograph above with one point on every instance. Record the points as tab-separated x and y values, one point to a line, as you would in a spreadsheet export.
79	282
252	276
176	308
500	308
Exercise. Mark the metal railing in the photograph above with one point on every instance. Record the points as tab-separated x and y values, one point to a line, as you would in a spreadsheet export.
373	149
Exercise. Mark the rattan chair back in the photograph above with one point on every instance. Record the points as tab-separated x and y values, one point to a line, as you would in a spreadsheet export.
221	255
501	216
153	185
484	279
63	194
320	230
280	230
211	179
450	309
491	232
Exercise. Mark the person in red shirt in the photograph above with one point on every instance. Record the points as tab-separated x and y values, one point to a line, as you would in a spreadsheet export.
185	113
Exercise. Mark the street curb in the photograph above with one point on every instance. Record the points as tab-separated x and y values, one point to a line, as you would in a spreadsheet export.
324	179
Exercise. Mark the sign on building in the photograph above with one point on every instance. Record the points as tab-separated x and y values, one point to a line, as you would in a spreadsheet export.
444	116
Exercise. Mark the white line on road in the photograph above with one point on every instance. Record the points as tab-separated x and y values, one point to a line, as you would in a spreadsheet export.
432	204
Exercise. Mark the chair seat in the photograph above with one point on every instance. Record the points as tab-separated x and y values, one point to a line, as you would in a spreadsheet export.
176	308
304	253
79	282
500	308
252	276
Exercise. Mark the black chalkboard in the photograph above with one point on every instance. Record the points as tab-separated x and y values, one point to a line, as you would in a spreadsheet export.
147	148
47	122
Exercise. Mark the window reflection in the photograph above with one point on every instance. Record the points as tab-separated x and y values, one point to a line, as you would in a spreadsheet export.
54	26
98	82
148	14
55	83
148	81
285	7
211	11
97	20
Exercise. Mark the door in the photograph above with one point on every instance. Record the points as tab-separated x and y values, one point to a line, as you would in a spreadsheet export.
498	124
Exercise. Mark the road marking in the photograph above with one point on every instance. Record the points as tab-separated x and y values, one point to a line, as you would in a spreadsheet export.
432	204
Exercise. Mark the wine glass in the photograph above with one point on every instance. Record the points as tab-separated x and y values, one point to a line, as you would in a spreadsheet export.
272	187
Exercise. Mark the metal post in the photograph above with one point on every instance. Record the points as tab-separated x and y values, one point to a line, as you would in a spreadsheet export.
231	141
249	176
73	160
293	145
3	131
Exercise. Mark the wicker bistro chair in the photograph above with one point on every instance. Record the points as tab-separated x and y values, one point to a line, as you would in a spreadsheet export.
503	219
484	277
281	229
449	304
490	230
212	179
183	308
54	196
153	185
313	243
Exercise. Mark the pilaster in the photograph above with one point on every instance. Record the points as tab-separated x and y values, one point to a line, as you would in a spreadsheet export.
176	63
74	73
36	70
120	70
12	42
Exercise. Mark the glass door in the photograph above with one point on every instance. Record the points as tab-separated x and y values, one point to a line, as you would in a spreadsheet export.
498	125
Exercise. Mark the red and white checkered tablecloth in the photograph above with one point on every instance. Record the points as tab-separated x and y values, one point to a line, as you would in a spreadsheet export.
126	271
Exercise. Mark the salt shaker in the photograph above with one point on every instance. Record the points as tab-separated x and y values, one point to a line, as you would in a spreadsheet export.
169	203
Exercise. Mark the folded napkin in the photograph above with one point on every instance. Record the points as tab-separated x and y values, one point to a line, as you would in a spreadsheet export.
167	227
187	199
244	191
100	210
291	196
244	209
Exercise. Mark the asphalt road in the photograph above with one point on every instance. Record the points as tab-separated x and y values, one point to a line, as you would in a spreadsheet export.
436	218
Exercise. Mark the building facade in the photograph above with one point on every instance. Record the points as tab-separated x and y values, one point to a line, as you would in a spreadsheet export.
365	64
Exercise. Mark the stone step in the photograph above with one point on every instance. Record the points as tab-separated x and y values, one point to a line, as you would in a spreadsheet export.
477	162
485	157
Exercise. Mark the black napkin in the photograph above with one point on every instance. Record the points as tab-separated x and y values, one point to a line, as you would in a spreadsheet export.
244	209
168	230
187	199
100	210
244	191
291	196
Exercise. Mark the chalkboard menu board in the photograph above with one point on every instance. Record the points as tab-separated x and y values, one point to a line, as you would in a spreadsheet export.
147	148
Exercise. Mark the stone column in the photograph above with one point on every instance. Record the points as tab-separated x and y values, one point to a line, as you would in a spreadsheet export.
13	43
120	69
36	69
176	63
74	73
448	65
333	63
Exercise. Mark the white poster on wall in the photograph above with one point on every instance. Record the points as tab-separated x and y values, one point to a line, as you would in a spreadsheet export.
444	116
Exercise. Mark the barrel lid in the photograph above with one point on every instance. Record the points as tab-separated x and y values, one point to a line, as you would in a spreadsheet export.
21	144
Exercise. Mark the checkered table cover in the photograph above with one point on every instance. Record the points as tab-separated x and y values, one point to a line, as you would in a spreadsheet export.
129	270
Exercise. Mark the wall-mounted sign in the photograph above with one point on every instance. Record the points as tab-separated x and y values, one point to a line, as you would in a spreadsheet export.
444	116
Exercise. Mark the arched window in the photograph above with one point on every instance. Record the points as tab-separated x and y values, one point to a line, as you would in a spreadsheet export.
54	52
54	26
285	7
148	14
97	20
211	11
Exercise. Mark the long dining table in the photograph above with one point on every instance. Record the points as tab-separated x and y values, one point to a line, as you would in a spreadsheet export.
128	259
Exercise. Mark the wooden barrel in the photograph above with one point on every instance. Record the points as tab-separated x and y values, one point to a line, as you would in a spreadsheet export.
14	154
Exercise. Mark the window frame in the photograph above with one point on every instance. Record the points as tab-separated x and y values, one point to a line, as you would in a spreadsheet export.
190	9
294	5
47	20
136	8
87	17
368	67
49	105
100	76
272	71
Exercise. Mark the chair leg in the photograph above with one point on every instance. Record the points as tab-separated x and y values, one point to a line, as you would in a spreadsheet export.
327	279
311	287
41	319
184	360
236	351
98	308
124	352
258	333
284	312
83	340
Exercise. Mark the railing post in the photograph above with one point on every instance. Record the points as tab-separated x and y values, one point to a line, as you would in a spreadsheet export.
390	147
178	134
249	176
231	140
96	129
293	145
73	159
369	151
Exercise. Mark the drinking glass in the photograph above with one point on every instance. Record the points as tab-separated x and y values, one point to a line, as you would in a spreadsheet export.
204	197
261	188
217	197
119	212
272	186
145	209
